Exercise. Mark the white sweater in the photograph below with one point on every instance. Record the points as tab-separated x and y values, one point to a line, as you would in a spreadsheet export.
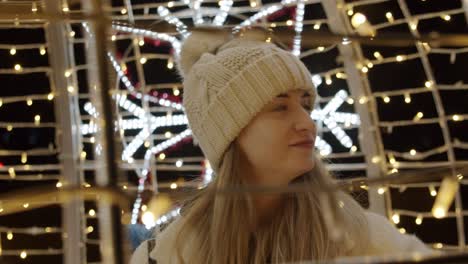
385	239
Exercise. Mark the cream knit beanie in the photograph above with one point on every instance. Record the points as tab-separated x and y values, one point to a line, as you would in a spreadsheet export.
228	80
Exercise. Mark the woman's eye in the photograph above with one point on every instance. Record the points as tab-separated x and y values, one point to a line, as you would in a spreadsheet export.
281	107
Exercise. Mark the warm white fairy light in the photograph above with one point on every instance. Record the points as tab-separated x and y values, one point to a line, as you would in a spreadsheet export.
13	51
10	235
412	152
361	24
418	220
448	188
123	11
456	118
34	7
407	98
42	50
91	212
389	17
432	190
396	218
18	67
400	58
446	17
170	63
24	157
381	190
143	60
50	96
429	84
386	99
418	116
378	56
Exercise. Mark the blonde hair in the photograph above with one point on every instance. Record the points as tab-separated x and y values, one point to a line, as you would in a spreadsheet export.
219	225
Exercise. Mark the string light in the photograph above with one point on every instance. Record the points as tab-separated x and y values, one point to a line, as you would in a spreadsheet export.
407	98
91	212
361	24
179	163
448	188
289	22
162	156
11	172
412	152
173	185
378	56
143	60
123	11
18	67
9	235
58	184
29	102
24	157
328	80
13	51
413	25
170	63
418	116
446	17
26	205
50	96
23	254
67	73
396	218
432	191
419	220
386	99
71	34
42	50
456	118
400	58
37	120
71	89
390	17
34	7
317	26
65	7
170	4
428	84
381	190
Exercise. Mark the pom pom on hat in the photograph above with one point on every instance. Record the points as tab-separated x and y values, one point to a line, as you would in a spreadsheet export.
195	45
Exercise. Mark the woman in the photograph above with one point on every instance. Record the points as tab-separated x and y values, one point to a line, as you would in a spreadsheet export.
248	104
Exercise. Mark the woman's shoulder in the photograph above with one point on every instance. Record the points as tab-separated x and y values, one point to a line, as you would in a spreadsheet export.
387	239
159	248
141	253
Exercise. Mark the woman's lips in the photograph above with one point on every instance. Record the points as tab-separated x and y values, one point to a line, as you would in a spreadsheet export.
304	145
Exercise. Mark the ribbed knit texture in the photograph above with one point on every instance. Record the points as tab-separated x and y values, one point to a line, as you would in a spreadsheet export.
224	91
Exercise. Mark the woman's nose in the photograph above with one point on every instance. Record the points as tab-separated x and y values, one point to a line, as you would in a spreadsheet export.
303	121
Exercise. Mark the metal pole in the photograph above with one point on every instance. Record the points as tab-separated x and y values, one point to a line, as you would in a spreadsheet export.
99	78
67	136
369	134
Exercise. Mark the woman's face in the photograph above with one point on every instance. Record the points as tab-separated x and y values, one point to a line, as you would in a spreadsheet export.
268	157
